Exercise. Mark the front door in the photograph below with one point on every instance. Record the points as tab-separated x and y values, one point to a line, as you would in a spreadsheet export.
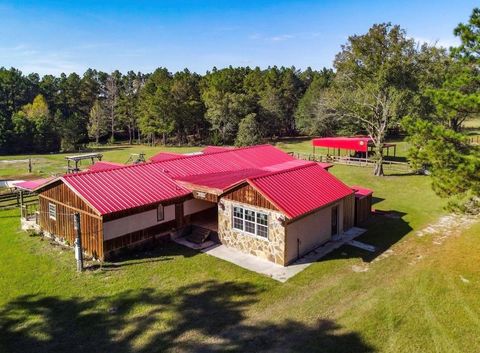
334	221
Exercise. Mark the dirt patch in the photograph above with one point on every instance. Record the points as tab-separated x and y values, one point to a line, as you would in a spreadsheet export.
446	227
384	255
451	225
360	268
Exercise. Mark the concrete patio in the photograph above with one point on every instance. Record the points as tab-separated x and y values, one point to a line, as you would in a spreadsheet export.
270	269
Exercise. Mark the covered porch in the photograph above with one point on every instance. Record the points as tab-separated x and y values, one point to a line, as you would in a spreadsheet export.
201	227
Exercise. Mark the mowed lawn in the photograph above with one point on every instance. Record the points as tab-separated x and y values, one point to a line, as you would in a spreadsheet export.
415	294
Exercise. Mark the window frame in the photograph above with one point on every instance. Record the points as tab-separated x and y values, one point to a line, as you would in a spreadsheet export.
255	222
160	213
52	211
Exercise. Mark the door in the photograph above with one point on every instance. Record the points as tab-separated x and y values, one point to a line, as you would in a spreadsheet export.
334	221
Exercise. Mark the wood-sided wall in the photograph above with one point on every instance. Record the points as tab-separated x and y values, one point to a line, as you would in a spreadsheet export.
67	203
363	209
247	194
348	212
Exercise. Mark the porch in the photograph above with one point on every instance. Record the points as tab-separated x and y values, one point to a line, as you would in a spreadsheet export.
201	231
29	217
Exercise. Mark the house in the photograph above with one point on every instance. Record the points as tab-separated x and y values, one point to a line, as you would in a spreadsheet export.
259	200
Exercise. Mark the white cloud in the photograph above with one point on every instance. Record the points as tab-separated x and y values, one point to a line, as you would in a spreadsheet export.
43	62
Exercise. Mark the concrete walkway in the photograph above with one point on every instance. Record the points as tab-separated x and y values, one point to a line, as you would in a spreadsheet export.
278	272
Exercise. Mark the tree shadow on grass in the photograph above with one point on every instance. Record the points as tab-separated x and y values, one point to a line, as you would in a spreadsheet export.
201	317
383	231
153	252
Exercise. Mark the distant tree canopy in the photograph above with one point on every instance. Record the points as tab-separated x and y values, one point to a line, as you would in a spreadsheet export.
64	113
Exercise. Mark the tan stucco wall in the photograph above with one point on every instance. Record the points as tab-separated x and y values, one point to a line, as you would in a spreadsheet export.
133	223
312	231
272	249
195	205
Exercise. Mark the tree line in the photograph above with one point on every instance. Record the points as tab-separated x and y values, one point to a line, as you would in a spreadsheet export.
48	114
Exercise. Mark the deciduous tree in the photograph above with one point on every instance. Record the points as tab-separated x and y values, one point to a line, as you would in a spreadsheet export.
373	82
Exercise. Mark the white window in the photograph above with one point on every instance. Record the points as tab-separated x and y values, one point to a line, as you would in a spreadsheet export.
250	221
238	218
52	211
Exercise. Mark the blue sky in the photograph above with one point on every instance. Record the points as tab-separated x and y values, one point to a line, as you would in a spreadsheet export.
50	37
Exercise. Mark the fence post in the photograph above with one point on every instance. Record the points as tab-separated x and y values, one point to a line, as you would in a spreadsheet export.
78	242
30	165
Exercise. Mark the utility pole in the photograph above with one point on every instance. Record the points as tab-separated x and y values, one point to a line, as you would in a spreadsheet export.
78	242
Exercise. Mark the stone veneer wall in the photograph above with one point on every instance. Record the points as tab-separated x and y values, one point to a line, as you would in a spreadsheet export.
272	249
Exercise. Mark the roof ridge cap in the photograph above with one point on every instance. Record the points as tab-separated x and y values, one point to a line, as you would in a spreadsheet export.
287	170
88	172
213	153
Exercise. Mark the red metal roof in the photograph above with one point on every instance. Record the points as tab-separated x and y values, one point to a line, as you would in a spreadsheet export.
104	166
222	180
165	156
32	185
212	149
119	189
361	192
253	157
359	144
295	186
348	143
301	189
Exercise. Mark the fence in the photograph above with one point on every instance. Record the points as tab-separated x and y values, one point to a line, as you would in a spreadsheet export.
27	162
474	140
16	199
359	162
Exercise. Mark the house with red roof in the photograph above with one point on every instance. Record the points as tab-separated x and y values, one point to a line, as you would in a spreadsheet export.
258	200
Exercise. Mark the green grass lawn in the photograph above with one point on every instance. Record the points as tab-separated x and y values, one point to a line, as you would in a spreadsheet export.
54	163
412	296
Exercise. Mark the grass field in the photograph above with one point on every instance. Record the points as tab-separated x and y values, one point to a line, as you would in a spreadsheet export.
416	294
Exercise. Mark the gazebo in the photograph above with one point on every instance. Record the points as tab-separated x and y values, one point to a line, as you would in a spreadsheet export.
361	145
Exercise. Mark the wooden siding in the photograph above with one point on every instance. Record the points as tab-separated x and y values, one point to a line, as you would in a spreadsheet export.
205	195
62	193
248	195
348	212
67	203
363	209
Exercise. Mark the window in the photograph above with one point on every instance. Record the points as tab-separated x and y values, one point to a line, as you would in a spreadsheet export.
238	218
160	214
250	221
52	211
